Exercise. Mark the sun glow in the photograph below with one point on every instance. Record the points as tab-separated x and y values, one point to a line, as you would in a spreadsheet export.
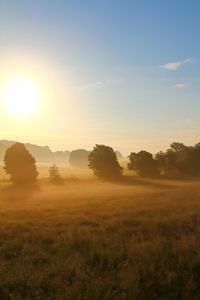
21	97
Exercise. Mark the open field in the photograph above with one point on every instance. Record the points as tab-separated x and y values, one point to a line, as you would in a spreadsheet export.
95	240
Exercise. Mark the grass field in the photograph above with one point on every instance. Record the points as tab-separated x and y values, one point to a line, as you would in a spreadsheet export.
94	240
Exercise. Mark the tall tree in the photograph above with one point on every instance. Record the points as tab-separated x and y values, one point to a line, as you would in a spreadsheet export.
20	164
180	160
103	161
143	163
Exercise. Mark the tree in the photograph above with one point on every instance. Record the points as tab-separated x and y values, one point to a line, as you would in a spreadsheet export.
143	163
176	147
79	158
179	160
194	159
54	175
166	162
103	161
20	164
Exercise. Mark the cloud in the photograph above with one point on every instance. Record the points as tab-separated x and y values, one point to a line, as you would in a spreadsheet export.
183	85
173	66
92	85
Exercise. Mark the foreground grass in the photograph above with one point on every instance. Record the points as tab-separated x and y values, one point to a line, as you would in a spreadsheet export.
90	240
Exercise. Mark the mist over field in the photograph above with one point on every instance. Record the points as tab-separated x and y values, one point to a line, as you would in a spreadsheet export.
100	226
97	240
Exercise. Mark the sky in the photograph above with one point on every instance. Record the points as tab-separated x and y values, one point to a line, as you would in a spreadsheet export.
125	73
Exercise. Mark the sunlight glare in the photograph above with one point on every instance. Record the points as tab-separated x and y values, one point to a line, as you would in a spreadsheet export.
21	97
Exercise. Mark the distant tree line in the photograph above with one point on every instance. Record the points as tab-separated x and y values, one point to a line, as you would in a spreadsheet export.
178	160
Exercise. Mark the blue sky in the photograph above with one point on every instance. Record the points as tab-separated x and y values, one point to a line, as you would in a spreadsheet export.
127	72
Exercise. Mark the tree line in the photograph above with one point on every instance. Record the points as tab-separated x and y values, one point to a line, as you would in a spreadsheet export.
178	160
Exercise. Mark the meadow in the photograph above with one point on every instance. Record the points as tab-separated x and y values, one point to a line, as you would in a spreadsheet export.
94	240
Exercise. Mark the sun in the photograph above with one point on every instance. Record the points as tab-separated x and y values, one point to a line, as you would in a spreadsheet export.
21	97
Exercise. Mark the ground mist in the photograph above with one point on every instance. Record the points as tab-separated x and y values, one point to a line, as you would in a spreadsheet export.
95	240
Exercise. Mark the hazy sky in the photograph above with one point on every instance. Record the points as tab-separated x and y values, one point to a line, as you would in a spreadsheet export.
119	72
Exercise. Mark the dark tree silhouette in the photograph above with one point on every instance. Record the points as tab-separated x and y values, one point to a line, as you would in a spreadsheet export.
167	162
143	163
79	158
162	162
180	160
103	161
20	164
54	175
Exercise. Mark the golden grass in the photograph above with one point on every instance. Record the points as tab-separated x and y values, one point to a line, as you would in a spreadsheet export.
95	240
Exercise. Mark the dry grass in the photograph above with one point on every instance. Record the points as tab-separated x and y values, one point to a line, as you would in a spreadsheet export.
92	240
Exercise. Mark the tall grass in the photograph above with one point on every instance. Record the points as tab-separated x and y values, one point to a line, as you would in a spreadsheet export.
92	240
